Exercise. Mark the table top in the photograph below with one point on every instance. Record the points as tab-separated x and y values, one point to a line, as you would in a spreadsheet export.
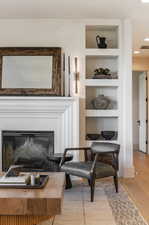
46	201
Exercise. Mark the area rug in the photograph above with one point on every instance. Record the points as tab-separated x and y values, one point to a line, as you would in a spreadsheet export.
109	208
123	208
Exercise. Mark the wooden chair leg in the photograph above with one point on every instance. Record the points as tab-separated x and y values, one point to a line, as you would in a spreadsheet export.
116	182
68	182
92	186
89	183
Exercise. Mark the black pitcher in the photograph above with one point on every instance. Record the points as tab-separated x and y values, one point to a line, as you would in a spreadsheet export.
101	42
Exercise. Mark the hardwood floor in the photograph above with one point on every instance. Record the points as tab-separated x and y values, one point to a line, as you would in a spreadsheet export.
138	187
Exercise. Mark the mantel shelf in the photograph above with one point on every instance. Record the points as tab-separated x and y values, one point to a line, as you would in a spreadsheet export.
36	98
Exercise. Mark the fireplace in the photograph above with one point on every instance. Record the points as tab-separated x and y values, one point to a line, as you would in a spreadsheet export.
29	148
57	114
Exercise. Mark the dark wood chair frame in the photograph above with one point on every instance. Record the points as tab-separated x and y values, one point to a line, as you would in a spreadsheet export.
94	158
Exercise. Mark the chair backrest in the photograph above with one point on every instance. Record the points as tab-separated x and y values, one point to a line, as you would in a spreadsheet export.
104	147
89	155
108	153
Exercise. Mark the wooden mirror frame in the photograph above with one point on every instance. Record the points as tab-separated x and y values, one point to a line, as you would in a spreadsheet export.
34	51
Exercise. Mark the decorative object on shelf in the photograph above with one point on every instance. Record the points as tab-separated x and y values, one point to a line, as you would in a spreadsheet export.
108	135
76	74
101	42
101	102
101	73
93	136
69	76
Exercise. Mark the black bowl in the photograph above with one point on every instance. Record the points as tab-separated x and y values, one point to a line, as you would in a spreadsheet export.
108	135
93	136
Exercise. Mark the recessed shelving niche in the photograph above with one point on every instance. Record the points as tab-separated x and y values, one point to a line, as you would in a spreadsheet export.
94	125
110	32
93	91
99	119
94	62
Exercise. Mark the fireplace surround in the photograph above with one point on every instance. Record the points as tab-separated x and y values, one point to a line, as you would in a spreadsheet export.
57	114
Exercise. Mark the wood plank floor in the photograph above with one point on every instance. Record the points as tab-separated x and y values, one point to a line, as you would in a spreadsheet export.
138	187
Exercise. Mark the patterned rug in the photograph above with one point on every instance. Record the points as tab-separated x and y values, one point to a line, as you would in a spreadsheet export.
123	208
109	208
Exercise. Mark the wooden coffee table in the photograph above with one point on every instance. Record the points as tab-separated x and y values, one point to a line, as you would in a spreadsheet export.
32	206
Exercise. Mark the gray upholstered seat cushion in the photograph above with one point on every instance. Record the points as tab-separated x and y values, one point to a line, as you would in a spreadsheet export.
104	147
82	169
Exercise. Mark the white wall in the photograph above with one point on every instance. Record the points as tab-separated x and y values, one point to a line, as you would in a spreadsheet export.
70	35
43	32
67	34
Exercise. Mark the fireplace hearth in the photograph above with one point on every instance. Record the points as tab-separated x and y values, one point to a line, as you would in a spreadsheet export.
28	148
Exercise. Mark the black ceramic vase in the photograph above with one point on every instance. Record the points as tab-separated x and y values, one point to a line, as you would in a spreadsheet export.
101	42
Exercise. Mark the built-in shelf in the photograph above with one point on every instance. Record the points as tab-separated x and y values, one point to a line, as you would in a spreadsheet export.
94	125
102	82
109	93
102	52
97	120
110	32
102	113
98	61
109	141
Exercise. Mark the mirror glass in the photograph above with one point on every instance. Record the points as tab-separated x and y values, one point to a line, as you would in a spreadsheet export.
27	72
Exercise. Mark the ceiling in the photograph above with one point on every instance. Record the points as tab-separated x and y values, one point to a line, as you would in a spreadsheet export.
133	9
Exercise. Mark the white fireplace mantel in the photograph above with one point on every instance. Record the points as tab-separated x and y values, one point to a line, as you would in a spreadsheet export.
58	114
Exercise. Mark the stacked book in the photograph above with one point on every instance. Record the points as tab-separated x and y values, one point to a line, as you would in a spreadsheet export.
14	181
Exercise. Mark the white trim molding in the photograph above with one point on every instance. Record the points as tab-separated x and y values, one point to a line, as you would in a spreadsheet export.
127	101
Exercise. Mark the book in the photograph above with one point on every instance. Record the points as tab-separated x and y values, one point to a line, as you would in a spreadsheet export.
15	180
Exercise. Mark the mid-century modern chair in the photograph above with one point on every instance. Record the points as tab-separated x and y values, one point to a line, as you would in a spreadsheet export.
101	160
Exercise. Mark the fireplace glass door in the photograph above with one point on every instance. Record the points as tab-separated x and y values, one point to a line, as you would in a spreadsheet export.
29	148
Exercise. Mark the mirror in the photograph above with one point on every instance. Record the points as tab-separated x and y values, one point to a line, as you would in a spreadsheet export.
30	71
27	72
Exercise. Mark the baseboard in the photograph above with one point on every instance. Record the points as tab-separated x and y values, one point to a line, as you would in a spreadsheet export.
129	172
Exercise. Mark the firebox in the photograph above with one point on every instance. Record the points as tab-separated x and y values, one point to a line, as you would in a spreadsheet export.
29	148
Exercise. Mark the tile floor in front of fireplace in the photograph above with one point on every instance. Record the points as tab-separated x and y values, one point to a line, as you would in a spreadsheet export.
78	210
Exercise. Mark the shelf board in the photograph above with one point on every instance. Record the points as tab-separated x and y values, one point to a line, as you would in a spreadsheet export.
102	82
105	27
109	141
102	52
102	113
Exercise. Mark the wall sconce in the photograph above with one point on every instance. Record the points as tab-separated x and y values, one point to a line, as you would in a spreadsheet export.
76	74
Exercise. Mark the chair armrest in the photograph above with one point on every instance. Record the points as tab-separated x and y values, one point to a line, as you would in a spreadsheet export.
72	149
94	163
116	160
77	149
